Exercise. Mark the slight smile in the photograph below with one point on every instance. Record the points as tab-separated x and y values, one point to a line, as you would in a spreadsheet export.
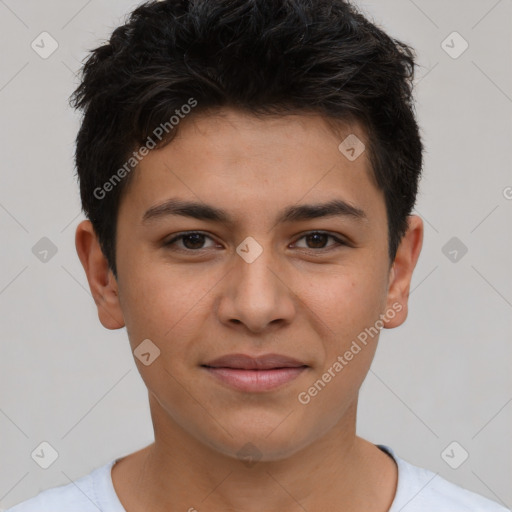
255	374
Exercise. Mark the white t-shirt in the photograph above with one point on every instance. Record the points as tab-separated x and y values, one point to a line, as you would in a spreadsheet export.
418	490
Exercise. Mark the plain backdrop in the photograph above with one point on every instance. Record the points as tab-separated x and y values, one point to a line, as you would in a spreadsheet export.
442	377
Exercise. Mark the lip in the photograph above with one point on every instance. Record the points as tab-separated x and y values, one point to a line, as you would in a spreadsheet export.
263	362
255	374
254	381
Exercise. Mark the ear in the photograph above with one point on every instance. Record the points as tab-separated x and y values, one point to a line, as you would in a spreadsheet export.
401	271
101	279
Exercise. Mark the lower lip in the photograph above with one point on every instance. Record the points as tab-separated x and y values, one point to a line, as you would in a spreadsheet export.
256	380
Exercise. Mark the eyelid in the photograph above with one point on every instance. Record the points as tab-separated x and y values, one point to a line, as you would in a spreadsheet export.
340	241
179	236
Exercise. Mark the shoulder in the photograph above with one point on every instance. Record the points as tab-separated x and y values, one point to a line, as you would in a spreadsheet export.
89	493
420	489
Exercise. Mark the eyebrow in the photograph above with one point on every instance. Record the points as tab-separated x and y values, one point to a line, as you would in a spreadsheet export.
202	211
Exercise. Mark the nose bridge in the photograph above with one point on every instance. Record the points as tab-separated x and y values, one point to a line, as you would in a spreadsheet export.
255	294
255	277
258	274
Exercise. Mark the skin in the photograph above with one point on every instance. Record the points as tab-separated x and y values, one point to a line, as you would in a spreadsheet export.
308	299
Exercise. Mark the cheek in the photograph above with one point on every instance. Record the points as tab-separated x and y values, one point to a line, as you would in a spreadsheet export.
349	309
347	301
151	303
163	305
157	308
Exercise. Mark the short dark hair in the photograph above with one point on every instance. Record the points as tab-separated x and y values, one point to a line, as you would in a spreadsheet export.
264	57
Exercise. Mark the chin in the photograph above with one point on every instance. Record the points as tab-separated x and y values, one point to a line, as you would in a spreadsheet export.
252	444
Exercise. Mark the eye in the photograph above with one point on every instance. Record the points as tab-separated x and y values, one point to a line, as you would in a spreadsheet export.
194	241
191	241
318	240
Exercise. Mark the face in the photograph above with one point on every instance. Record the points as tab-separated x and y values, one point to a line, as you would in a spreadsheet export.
284	252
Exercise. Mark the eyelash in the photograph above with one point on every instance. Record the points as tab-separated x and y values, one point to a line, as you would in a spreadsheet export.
339	242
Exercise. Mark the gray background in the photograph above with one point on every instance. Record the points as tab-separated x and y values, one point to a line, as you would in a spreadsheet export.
444	376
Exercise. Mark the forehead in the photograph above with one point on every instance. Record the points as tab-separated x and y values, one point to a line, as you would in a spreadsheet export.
242	162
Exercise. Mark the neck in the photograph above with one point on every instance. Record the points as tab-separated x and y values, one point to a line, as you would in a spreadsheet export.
337	471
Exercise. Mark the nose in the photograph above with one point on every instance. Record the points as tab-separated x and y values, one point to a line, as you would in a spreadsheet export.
256	295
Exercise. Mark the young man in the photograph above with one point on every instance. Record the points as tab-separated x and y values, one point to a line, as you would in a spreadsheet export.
248	169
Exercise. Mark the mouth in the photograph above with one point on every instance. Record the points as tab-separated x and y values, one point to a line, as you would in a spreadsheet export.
255	374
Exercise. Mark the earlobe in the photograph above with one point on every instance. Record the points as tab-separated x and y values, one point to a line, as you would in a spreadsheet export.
401	273
102	282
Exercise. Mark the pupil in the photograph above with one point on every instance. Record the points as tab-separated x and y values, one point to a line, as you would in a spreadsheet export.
197	241
318	242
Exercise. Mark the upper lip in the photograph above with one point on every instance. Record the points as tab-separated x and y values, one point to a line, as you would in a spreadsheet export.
263	362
